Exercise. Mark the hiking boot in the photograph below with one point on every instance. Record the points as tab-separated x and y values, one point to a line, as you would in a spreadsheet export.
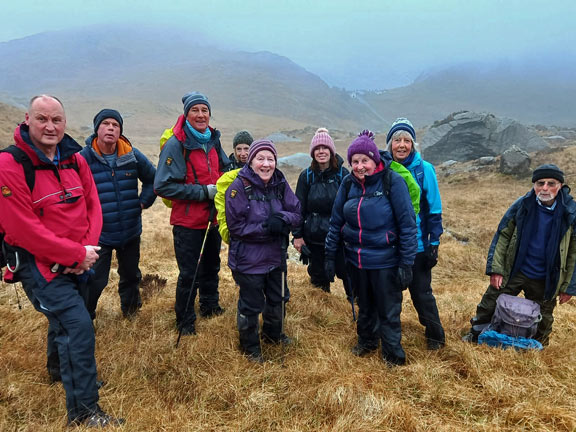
283	339
470	337
209	312
434	345
188	329
255	357
131	312
97	419
392	362
361	350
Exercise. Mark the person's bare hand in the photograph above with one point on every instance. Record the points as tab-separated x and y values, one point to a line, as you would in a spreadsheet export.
74	271
298	243
90	258
496	280
564	297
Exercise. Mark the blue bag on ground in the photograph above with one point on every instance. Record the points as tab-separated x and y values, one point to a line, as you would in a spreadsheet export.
495	339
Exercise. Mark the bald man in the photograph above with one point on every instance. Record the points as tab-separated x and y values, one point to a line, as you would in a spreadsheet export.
51	219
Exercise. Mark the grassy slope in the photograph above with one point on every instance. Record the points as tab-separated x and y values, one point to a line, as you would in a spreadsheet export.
316	384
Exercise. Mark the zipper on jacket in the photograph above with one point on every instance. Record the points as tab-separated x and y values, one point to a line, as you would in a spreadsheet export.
360	225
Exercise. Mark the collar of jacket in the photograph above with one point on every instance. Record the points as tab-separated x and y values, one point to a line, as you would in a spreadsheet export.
375	177
123	146
67	147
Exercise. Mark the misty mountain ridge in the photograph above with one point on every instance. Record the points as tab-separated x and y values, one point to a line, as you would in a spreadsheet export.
146	71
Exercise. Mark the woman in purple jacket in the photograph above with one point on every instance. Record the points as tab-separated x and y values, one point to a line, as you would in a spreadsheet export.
261	209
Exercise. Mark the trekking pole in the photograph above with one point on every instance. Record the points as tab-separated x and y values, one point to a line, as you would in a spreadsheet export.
350	295
18	298
210	217
284	266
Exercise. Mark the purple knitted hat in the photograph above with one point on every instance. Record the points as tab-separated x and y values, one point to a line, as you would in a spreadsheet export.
322	138
259	145
364	145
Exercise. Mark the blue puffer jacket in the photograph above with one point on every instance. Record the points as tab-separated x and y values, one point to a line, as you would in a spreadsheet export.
118	190
252	249
378	231
430	217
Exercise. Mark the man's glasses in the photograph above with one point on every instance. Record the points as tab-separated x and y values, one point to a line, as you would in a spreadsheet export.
550	184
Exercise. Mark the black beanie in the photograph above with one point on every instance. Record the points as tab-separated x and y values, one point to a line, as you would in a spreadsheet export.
547	171
242	137
108	113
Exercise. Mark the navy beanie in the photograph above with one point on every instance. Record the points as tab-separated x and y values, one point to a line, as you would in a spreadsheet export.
108	113
401	124
548	171
195	98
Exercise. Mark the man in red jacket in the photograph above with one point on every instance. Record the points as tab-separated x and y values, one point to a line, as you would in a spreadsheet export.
52	226
190	164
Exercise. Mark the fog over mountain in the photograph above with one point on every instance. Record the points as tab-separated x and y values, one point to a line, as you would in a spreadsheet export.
151	68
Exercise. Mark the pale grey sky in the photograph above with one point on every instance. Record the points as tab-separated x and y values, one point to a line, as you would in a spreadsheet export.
352	44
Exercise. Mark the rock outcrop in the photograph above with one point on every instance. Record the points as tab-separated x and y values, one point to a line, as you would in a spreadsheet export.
515	161
468	135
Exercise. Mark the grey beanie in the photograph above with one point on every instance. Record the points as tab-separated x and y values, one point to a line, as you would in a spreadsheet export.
108	113
195	98
548	171
242	137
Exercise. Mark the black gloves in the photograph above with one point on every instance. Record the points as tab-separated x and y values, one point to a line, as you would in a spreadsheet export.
330	269
305	254
404	276
432	255
276	225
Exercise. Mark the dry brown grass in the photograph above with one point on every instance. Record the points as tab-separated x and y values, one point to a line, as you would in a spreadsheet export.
316	384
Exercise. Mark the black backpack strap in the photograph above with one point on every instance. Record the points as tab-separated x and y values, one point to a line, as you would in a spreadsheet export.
386	184
55	168
268	197
186	157
247	187
23	159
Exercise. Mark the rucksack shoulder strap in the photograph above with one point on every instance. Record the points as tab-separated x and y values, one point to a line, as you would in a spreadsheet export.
247	184
387	182
23	159
347	186
186	152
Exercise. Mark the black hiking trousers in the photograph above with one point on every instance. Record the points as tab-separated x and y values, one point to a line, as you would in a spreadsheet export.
260	294
424	301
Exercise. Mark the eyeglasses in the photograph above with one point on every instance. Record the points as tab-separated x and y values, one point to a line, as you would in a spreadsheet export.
550	184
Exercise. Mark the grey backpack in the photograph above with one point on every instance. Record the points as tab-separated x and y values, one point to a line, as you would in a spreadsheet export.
515	316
